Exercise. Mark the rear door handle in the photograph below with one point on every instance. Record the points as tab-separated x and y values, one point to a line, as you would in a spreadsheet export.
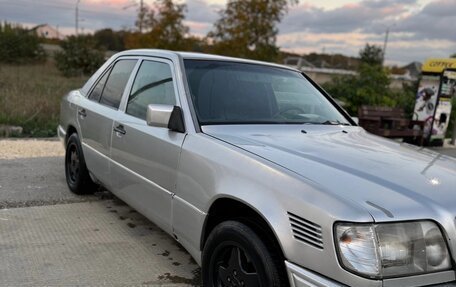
82	113
120	129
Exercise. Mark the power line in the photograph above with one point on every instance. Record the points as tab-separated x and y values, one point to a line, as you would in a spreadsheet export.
56	6
47	11
141	14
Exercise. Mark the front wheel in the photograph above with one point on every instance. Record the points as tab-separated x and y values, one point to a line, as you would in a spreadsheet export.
77	176
234	255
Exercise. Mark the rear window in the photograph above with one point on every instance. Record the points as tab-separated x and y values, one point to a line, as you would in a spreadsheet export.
95	95
117	80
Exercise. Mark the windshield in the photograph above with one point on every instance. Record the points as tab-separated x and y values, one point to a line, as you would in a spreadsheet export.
237	93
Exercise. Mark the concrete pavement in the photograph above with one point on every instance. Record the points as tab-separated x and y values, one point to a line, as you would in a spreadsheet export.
51	237
89	244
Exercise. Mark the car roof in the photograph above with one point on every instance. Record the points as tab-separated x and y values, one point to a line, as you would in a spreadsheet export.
196	56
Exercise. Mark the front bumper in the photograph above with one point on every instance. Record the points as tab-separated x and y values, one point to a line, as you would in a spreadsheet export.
300	277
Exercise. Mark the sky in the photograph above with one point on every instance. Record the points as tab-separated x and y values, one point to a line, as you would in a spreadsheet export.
419	29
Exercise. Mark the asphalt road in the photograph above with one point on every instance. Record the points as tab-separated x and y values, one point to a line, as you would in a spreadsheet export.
35	181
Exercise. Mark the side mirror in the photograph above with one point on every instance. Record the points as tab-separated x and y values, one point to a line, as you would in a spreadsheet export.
165	116
356	120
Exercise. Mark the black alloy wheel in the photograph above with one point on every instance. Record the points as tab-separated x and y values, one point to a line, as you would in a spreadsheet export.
235	256
77	175
234	267
73	163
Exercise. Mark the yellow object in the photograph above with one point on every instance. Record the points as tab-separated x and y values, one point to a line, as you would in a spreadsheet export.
438	65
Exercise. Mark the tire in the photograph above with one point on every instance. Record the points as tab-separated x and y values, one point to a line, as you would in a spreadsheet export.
76	173
258	266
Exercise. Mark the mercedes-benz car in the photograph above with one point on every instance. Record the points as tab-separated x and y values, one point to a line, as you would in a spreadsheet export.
260	174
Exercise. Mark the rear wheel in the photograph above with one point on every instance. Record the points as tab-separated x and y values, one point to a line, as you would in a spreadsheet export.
234	255
77	175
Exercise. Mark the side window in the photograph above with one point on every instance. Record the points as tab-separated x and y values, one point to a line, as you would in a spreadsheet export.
153	85
95	95
117	80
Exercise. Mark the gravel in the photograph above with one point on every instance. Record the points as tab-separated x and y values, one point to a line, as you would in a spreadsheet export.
30	148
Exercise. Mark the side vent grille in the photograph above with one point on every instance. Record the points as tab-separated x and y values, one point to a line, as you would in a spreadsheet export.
306	231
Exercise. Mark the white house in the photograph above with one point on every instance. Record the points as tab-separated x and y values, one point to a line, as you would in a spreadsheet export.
47	31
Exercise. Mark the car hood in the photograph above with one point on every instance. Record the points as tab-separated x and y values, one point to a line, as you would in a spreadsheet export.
393	181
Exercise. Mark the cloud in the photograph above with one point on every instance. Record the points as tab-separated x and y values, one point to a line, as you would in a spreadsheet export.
433	22
346	43
380	4
199	29
348	18
407	51
444	8
418	29
201	11
93	15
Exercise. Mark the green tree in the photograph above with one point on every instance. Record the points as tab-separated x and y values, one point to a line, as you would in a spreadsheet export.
453	56
108	39
371	54
19	45
370	86
196	44
248	29
79	56
164	28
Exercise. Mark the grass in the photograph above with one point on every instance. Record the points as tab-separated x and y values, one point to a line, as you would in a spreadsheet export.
30	97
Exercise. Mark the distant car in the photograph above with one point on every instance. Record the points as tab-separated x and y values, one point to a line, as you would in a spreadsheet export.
259	174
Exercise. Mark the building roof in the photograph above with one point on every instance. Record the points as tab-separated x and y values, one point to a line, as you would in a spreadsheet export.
413	69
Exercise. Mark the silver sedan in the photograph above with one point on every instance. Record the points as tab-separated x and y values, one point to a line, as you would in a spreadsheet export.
259	174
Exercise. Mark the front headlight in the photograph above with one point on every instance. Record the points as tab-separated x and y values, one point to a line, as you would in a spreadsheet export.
392	249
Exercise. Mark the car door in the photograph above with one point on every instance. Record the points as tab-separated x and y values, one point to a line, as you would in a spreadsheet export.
95	117
145	158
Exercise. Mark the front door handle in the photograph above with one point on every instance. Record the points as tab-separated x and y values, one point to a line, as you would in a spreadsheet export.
120	129
82	113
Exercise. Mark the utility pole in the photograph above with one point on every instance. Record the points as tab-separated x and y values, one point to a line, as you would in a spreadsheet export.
76	23
385	44
141	15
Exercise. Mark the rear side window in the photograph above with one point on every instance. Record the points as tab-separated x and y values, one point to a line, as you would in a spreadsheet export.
117	80
153	85
95	95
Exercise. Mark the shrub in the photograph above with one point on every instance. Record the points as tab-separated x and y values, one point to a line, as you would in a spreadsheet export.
79	56
371	86
19	45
